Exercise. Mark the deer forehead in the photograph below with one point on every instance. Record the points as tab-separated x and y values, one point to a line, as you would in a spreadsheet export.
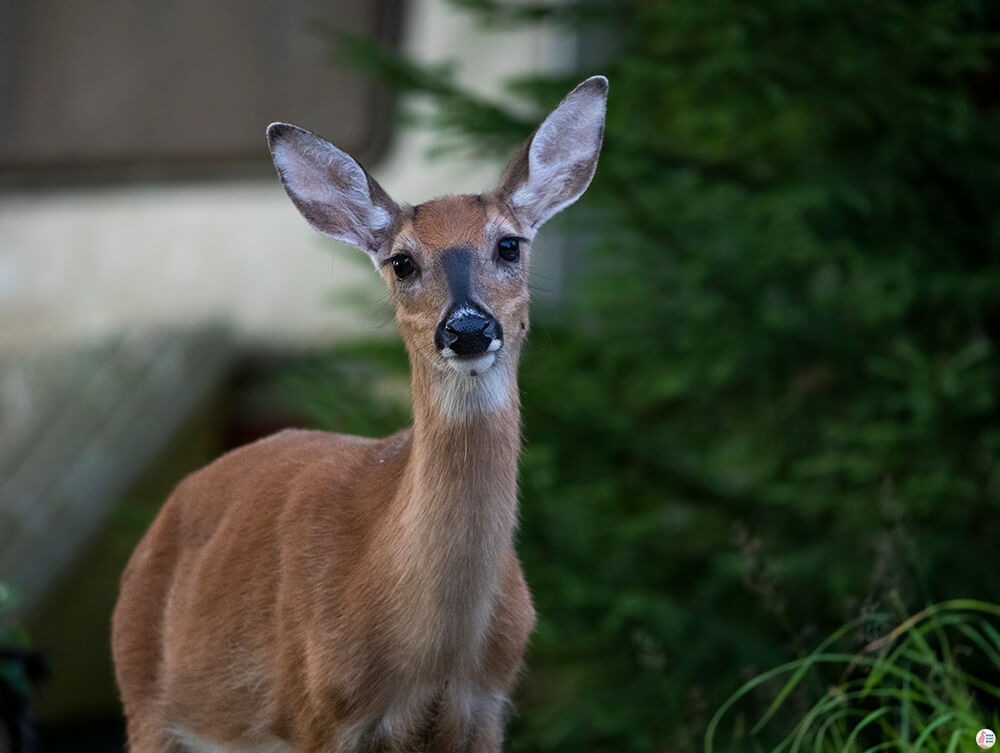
467	220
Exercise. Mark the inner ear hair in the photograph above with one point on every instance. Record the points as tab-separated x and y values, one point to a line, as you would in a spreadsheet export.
553	168
331	190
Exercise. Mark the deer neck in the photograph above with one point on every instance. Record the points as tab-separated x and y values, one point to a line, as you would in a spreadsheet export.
453	524
466	442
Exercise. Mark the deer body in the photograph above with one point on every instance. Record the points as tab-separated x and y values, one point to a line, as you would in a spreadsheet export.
318	592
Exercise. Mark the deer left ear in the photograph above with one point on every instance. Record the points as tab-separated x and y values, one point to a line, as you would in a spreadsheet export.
330	189
555	165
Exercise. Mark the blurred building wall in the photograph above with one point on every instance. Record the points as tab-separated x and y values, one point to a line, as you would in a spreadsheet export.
82	263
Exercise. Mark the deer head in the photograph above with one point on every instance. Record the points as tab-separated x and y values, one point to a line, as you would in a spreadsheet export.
456	267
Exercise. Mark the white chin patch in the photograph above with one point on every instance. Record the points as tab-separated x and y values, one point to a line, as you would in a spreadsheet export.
472	386
473	367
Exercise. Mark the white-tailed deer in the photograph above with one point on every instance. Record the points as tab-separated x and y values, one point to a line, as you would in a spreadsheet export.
317	592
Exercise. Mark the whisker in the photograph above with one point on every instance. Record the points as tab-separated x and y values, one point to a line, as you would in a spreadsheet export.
384	323
540	289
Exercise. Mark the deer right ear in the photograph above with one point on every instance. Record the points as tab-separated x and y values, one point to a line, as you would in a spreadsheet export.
555	165
330	189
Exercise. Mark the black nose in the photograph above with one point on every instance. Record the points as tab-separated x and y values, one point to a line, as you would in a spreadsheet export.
467	332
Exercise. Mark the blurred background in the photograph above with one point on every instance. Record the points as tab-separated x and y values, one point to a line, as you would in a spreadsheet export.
761	392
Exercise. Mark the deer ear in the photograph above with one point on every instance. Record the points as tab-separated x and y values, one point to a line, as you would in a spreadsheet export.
330	189
555	165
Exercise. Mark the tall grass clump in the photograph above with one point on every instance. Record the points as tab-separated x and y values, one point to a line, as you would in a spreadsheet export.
928	685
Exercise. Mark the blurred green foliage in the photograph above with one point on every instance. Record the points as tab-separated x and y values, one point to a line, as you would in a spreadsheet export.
12	672
772	397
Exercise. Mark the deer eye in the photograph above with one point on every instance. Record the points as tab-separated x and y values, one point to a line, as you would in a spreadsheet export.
509	249
402	265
